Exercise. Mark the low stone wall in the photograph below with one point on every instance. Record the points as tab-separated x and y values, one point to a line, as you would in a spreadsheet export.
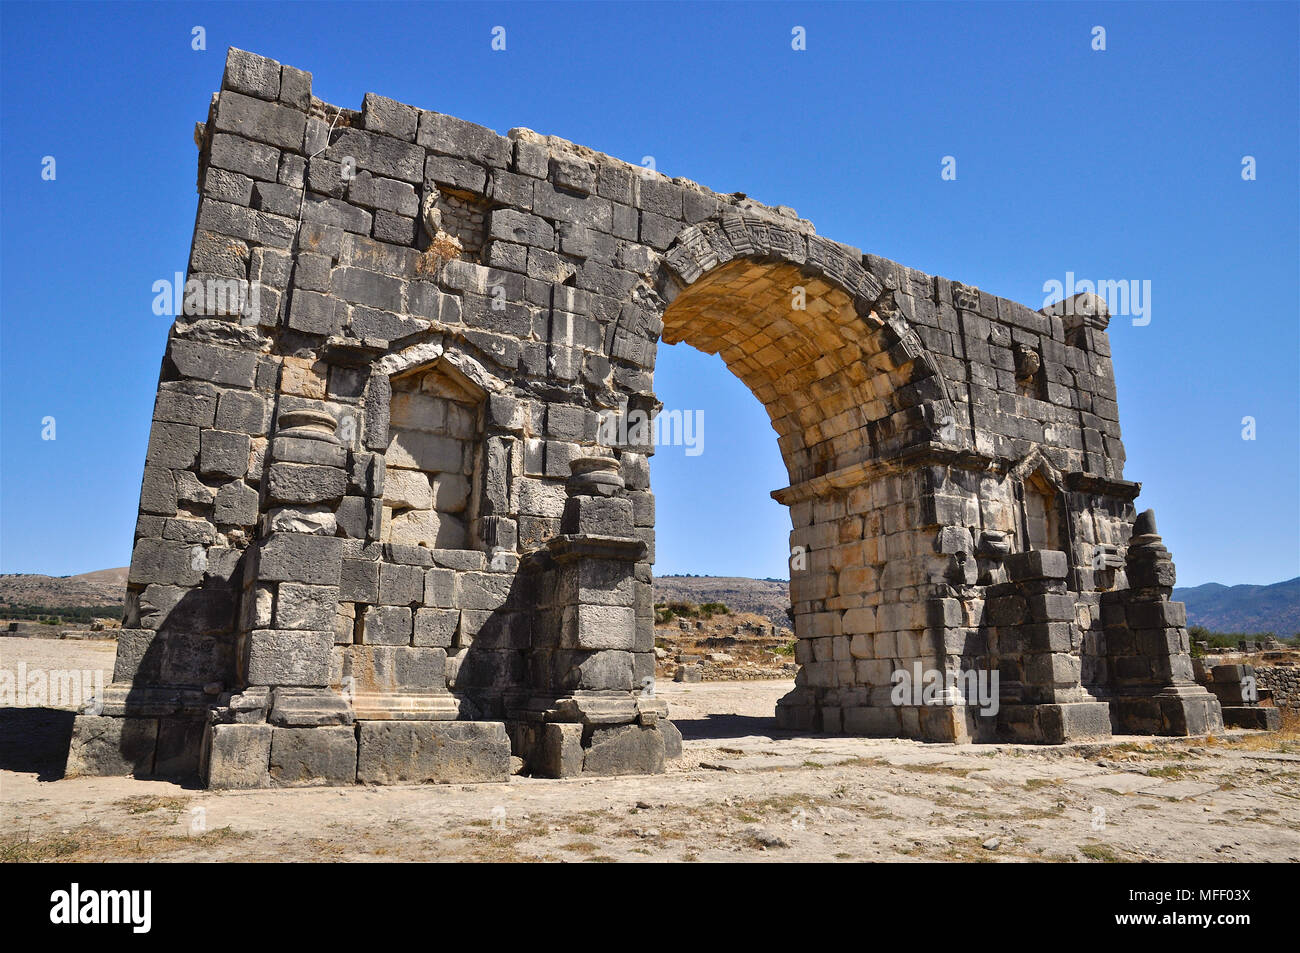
1283	681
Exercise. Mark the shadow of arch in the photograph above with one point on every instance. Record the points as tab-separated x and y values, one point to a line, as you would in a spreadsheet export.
35	741
719	727
174	642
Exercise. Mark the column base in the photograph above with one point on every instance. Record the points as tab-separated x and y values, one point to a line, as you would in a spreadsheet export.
1252	716
1054	724
1177	711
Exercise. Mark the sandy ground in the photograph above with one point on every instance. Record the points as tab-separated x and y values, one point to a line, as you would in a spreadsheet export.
742	791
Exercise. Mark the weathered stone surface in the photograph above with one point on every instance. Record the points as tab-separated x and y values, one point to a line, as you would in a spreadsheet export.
294	557
405	752
313	757
237	756
293	707
396	668
299	606
625	749
560	753
289	657
672	738
387	625
112	746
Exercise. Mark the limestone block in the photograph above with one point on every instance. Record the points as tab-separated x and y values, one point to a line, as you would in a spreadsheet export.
313	757
407	489
396	668
672	738
450	492
405	752
624	749
296	707
427	528
316	520
237	756
595	627
559	752
299	606
236	154
289	657
418	450
436	627
102	745
387	625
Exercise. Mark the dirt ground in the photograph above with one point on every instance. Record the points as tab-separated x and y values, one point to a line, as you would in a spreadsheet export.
743	791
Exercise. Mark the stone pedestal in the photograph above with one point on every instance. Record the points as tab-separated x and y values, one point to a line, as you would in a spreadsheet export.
1153	688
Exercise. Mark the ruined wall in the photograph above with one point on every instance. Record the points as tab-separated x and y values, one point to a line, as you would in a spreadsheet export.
380	519
1283	682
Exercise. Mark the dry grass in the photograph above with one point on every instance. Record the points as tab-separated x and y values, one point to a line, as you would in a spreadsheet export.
1286	740
89	842
1100	853
144	804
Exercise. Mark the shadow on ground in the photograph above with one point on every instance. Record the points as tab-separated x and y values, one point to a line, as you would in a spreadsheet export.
716	727
35	741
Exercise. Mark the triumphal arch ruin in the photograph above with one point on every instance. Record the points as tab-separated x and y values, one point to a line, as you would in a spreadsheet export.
380	538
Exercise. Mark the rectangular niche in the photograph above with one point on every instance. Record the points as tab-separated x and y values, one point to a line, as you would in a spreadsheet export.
433	458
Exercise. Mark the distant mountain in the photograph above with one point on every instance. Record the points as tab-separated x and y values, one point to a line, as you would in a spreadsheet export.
1247	609
766	597
104	587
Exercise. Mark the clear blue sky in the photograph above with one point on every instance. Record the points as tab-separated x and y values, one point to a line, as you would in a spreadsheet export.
1117	164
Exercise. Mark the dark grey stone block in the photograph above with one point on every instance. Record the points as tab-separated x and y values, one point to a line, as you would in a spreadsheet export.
359	581
224	453
111	746
624	749
405	752
400	585
389	195
236	154
456	137
305	483
251	118
389	117
313	757
251	74
294	557
379	154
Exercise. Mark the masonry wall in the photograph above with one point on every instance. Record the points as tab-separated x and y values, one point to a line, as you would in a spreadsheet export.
372	480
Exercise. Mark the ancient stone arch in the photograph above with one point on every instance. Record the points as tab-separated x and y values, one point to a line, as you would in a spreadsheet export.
385	535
